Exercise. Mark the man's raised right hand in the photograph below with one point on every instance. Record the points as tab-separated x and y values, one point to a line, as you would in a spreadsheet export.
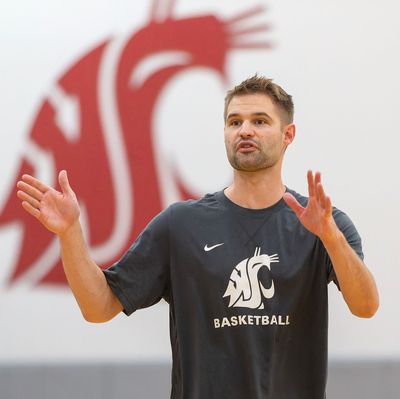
57	211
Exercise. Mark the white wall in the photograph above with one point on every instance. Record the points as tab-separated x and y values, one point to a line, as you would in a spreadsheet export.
339	60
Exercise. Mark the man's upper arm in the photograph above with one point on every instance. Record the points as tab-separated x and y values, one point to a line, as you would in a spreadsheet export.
141	277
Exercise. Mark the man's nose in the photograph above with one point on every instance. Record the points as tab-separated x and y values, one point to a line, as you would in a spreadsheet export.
246	129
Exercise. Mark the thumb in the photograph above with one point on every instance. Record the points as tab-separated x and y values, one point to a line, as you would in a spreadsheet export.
64	183
293	204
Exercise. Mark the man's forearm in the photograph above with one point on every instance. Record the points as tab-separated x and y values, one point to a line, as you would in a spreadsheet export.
88	283
356	281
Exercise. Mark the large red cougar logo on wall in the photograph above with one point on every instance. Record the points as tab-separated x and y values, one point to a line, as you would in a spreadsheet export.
97	123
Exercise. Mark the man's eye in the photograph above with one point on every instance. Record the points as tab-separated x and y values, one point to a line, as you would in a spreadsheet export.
260	122
235	123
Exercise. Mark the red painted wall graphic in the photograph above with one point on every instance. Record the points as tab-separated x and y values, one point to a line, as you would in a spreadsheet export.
97	124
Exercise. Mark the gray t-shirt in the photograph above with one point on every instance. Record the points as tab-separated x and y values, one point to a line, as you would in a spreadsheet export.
247	291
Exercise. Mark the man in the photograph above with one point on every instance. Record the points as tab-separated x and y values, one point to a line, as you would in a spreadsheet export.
245	270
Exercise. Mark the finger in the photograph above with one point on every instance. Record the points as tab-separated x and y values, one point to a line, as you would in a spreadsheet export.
311	186
30	190
317	177
321	195
22	195
64	183
32	181
317	182
293	204
30	209
328	207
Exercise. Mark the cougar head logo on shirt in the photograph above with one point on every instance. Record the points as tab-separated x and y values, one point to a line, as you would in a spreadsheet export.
244	287
97	122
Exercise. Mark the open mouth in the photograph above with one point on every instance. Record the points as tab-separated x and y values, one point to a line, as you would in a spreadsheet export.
246	146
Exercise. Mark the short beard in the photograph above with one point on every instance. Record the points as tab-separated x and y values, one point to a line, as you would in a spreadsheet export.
253	162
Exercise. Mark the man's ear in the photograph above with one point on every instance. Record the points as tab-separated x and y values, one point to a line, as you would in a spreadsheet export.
289	133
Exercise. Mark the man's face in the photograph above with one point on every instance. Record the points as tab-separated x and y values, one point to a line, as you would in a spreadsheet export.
255	137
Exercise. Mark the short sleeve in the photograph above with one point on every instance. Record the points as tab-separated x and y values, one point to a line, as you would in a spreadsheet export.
141	277
350	232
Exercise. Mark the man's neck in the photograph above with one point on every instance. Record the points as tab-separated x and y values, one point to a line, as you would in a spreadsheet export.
255	190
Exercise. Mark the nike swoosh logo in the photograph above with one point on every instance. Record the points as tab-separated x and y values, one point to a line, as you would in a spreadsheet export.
207	248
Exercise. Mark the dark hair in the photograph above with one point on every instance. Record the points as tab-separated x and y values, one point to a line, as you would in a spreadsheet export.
262	85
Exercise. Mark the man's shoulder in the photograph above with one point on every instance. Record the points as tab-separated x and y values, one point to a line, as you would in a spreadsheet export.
207	202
